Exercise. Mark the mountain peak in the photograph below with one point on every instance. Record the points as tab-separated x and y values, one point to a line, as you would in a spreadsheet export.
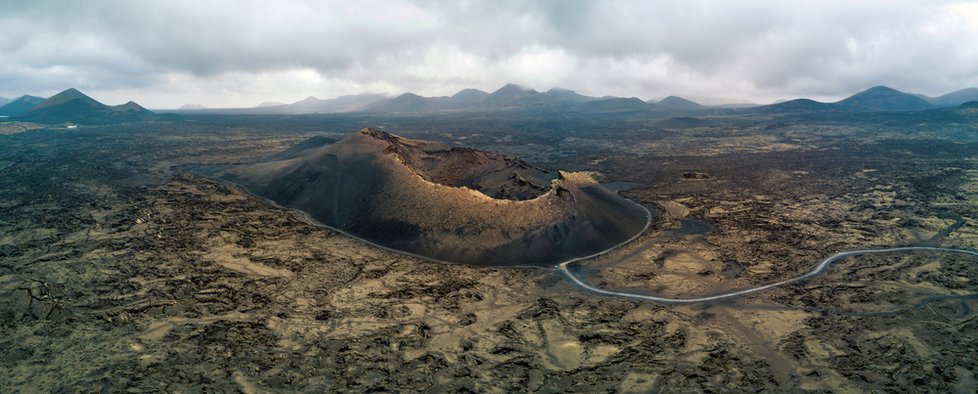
513	88
131	106
882	98
795	105
73	106
70	94
509	93
676	102
20	105
469	96
66	96
405	103
466	93
880	89
956	97
567	95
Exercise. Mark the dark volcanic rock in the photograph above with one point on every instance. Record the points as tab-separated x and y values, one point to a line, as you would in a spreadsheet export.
447	203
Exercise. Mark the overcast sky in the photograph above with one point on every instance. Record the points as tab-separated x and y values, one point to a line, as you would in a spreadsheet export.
240	53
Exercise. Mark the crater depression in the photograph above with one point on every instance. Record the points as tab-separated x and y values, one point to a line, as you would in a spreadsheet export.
445	203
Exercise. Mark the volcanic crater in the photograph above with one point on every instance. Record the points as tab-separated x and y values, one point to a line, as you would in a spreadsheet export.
450	204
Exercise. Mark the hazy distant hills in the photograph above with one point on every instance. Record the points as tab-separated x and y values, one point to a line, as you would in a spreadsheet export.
796	105
351	103
4	101
513	97
875	99
519	99
73	106
469	96
510	97
955	98
675	102
407	103
882	98
21	105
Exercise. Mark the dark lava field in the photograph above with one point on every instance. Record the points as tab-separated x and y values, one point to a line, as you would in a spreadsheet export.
123	271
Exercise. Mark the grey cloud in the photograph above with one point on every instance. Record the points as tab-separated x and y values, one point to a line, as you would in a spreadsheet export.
250	50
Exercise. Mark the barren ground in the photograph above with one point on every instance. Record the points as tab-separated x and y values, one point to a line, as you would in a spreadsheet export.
120	271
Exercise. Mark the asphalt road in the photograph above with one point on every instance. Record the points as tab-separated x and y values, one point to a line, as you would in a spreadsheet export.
821	267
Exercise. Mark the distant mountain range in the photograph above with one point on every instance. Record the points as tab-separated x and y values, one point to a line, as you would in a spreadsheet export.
876	99
515	98
510	97
311	105
73	106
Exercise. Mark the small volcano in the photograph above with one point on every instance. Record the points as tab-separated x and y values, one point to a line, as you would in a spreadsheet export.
446	203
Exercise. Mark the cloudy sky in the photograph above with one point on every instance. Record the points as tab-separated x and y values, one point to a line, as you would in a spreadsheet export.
240	53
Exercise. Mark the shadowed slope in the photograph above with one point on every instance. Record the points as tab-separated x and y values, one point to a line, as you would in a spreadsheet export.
74	106
882	98
452	204
956	98
21	105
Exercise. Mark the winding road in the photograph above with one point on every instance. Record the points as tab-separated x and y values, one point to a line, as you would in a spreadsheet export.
824	265
562	267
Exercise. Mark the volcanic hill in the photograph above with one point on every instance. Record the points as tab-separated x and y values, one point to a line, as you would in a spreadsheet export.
74	106
446	203
21	105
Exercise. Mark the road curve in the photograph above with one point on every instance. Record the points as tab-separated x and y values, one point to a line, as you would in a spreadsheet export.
825	264
562	267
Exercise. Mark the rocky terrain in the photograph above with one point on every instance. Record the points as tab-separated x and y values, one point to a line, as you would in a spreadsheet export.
122	271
